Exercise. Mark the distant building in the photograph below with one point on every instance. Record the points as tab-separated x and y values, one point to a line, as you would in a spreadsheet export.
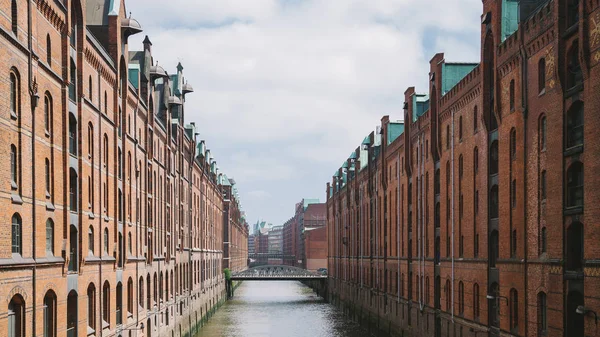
315	245
251	244
276	240
310	213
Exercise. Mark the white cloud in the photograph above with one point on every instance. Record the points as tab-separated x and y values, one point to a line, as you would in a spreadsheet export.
286	89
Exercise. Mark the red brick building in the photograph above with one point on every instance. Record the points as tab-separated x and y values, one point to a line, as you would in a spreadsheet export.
235	229
475	215
315	247
293	241
125	229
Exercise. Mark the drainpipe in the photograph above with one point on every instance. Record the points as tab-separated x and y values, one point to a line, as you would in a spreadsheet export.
360	192
422	263
525	104
398	253
34	101
452	212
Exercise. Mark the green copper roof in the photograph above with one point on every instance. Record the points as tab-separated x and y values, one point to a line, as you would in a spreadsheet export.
395	129
310	201
510	17
452	73
352	155
420	105
366	141
175	85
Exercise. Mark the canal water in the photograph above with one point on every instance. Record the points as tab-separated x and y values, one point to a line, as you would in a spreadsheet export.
278	308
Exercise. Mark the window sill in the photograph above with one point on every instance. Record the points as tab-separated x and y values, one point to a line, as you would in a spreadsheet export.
575	89
16	199
573	210
573	150
49	206
13	115
571	30
542	92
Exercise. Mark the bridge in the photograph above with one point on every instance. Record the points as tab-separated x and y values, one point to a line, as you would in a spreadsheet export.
277	273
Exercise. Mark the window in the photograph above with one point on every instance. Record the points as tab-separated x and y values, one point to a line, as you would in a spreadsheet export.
575	185
494	249
494	202
15	94
73	137
105	103
513	144
476	160
575	125
575	247
106	302
130	296
119	306
90	88
461	298
460	128
50	237
73	190
543	133
50	314
105	151
14	169
543	185
48	176
541	314
448	292
16	315
447	136
513	193
574	73
91	309
48	114
141	292
542	75
91	240
476	301
572	12
16	234
106	241
73	82
513	243
475	121
129	243
48	50
14	17
512	95
494	158
514	310
543	240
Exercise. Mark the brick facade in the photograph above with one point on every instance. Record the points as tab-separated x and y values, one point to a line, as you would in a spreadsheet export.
475	215
124	228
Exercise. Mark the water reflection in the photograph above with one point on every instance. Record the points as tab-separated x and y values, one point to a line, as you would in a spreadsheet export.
278	308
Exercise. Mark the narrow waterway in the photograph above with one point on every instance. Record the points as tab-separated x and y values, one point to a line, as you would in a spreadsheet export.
278	308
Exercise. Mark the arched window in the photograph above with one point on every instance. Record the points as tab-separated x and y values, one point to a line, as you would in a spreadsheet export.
14	16
460	128
513	193
50	237
475	160
542	131
460	167
542	75
148	292
73	82
48	174
447	136
543	240
574	73
494	202
542	308
543	185
119	306
494	157
575	125
106	302
476	301
512	95
105	103
155	297
91	309
494	249
73	190
91	240
575	185
513	144
48	50
448	292
73	136
572	12
16	316
461	298
575	247
141	292
50	314
129	244
106	241
475	119
105	151
130	296
514	310
15	94
48	114
16	234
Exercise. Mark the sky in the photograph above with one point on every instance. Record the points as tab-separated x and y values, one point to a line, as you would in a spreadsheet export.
285	90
